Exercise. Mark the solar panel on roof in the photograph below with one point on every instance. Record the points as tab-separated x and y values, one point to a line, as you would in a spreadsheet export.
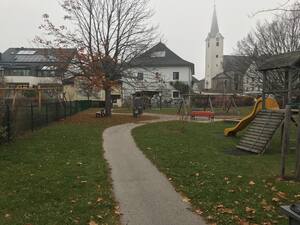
26	52
30	58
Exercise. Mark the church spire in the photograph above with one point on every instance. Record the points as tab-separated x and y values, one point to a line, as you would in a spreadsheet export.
214	26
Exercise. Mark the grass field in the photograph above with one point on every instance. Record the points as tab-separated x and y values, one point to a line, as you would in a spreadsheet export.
225	187
58	176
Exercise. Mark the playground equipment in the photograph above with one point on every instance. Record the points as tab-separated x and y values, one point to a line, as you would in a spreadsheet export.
271	104
207	109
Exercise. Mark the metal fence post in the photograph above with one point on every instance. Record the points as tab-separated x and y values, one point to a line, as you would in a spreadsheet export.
70	108
8	125
65	110
47	117
56	110
32	122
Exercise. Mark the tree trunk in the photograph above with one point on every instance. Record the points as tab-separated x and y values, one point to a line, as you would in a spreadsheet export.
108	102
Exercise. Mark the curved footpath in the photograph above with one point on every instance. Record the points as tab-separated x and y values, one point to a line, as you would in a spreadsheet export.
144	194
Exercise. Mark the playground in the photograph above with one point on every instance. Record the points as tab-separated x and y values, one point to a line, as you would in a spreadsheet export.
235	172
225	185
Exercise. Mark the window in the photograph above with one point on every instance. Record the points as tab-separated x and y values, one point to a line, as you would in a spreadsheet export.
159	54
140	76
20	72
217	56
217	65
175	75
218	44
176	94
208	45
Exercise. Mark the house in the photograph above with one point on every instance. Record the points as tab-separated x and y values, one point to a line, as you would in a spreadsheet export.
74	89
198	85
231	79
156	72
223	73
35	67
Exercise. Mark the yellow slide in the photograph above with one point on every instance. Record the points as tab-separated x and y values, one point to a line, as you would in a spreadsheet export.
270	104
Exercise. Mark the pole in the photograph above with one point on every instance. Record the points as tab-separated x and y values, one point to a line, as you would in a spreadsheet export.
264	91
290	94
47	116
70	108
8	127
32	122
298	149
286	139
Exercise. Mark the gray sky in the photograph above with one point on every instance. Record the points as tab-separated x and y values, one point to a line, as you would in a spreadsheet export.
184	24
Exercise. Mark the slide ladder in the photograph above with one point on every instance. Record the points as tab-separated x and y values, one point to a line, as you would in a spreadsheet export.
260	132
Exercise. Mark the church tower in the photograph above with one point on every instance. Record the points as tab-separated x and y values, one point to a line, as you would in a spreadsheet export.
214	52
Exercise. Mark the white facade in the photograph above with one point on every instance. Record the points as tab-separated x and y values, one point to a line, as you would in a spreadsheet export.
32	80
213	59
156	79
214	53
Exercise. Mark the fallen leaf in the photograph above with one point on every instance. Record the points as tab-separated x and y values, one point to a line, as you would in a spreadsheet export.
281	195
275	199
186	200
93	223
251	183
250	210
199	211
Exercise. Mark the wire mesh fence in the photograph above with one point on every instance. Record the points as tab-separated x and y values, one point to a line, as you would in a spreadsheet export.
31	116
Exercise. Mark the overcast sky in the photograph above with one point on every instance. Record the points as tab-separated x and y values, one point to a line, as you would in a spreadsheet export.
184	24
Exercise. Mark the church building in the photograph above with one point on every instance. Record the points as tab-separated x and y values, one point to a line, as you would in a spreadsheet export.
223	73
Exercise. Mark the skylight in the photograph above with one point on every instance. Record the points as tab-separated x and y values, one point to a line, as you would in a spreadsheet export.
159	54
26	52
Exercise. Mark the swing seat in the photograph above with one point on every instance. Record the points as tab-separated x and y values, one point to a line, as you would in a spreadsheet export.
207	114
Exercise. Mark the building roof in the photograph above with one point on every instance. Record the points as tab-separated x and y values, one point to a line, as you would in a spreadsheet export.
34	56
214	30
281	61
161	56
235	63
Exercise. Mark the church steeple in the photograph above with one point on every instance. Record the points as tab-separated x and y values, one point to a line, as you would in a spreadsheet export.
214	26
214	52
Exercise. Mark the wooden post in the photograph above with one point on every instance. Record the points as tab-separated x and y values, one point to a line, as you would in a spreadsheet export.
286	139
40	99
264	90
210	104
298	149
290	94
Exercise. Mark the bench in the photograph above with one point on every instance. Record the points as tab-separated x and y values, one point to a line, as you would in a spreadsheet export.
100	114
209	115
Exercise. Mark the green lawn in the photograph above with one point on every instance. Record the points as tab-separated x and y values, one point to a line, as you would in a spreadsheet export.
58	176
224	187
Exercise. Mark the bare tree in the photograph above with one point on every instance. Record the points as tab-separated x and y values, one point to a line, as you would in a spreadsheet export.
108	34
281	35
286	6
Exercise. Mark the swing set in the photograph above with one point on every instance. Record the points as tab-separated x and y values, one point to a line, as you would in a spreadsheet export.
206	107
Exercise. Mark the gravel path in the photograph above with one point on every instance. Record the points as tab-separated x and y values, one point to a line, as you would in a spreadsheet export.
145	195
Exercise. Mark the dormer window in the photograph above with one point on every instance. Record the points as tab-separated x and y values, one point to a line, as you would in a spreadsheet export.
159	54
